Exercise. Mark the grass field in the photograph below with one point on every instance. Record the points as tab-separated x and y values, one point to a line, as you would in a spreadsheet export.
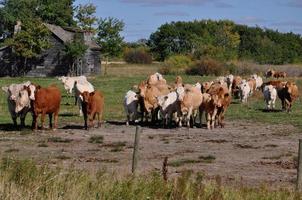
121	78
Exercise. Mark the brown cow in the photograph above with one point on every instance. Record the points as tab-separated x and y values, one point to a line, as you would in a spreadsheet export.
209	104
224	100
252	84
288	94
275	74
46	101
92	106
205	86
235	86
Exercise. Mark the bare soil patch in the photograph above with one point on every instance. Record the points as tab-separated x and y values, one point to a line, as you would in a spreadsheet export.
246	152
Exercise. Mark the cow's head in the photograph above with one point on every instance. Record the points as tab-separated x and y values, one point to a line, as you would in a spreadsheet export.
86	95
22	100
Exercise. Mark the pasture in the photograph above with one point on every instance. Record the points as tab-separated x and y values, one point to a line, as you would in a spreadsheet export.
255	147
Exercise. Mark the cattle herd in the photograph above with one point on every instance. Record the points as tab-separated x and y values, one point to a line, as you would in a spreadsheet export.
29	97
153	99
180	103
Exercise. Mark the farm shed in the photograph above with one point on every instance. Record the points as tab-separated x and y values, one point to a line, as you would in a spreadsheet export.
53	62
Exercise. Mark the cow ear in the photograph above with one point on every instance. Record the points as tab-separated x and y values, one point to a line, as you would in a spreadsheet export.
91	94
38	87
5	89
25	87
226	95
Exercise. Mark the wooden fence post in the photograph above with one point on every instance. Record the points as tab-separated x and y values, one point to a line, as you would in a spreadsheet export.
138	131
299	169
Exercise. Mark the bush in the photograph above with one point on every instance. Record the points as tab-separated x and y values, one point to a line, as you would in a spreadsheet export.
207	67
137	55
176	64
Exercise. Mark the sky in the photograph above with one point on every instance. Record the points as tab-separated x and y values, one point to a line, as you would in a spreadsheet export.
143	17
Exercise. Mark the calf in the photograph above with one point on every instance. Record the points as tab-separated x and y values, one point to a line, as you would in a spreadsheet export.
270	95
131	105
209	105
92	106
46	101
17	107
229	80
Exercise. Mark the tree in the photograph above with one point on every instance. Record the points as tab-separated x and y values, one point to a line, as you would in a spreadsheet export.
75	51
58	12
85	17
30	42
109	37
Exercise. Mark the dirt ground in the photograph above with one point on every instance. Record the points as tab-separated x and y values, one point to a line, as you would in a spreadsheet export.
243	152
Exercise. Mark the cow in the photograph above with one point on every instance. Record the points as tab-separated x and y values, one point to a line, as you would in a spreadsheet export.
235	86
13	95
46	101
288	94
170	104
275	74
92	106
270	95
244	91
258	80
178	82
155	79
205	86
252	84
83	85
229	80
148	94
131	101
190	103
223	102
210	106
80	87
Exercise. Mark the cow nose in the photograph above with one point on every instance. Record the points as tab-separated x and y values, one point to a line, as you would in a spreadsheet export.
13	98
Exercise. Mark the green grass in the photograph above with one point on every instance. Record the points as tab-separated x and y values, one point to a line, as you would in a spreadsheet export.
23	179
121	78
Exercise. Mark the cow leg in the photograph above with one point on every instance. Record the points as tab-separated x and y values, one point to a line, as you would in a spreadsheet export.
50	120
35	121
128	119
56	116
14	118
99	122
22	119
85	121
208	120
80	106
42	120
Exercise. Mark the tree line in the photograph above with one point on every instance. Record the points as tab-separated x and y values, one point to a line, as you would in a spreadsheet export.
224	40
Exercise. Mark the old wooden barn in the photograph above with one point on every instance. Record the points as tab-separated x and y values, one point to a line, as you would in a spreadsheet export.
53	62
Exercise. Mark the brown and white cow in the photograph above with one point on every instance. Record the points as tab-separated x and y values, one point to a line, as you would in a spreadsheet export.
92	106
288	94
235	86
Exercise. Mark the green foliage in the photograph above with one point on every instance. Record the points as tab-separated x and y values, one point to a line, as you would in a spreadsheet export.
23	179
85	16
223	40
137	55
108	36
176	64
31	41
59	12
75	49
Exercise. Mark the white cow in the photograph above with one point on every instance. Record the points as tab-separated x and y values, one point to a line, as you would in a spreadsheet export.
13	95
270	95
82	85
68	82
170	104
244	91
258	80
130	105
229	80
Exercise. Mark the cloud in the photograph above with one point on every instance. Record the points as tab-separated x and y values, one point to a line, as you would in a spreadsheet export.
172	13
217	3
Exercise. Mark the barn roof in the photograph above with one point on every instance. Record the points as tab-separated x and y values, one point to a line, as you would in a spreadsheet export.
67	35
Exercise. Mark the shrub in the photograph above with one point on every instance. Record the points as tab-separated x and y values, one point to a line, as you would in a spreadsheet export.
207	67
176	64
137	55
